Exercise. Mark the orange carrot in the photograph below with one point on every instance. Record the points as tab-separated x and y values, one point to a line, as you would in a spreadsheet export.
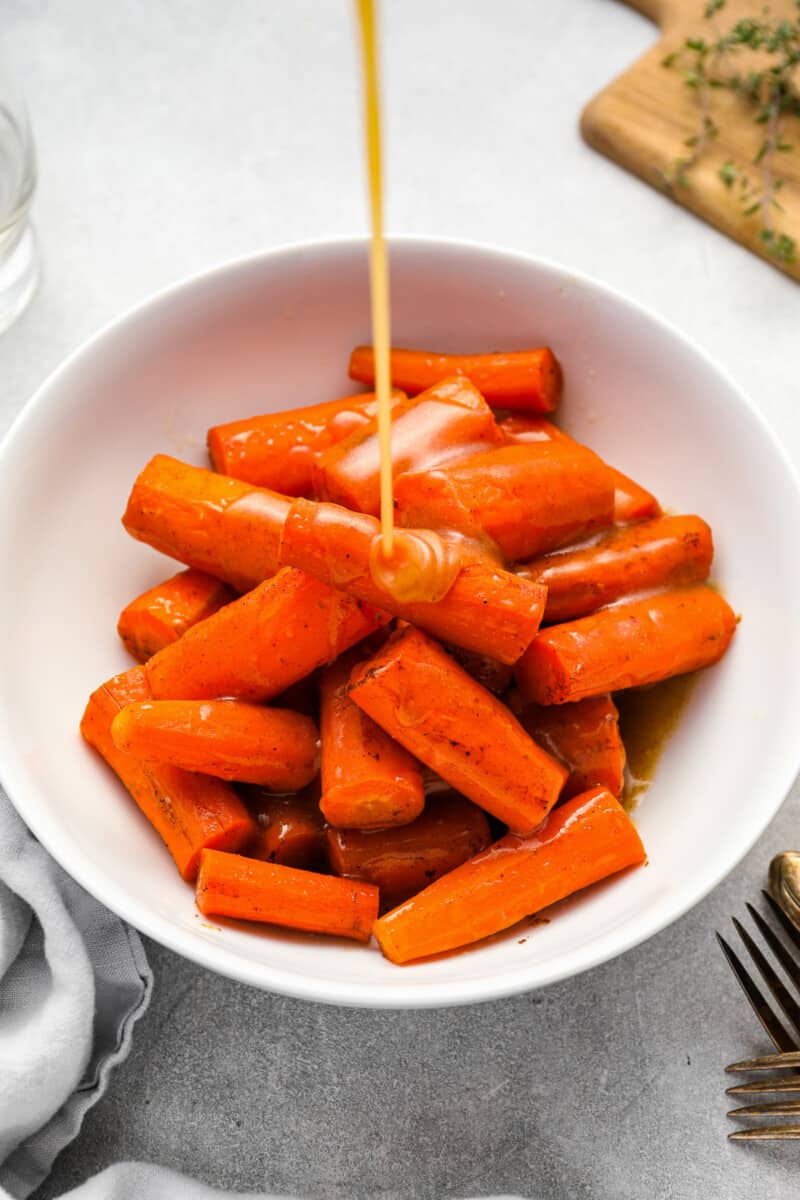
416	692
278	450
257	646
448	421
667	551
485	609
226	738
585	840
189	812
529	380
231	886
626	645
631	501
368	780
585	737
163	613
219	525
290	828
404	860
527	499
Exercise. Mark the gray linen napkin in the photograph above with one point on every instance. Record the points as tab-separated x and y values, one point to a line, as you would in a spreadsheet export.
143	1181
73	980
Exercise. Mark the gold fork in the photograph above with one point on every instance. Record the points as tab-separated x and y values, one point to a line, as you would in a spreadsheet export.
785	1041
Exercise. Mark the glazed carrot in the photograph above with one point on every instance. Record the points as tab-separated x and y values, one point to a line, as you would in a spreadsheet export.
585	737
667	551
219	525
627	645
529	380
257	646
290	828
278	450
527	499
585	840
416	692
368	780
226	738
632	502
485	609
163	613
404	860
188	811
231	886
448	421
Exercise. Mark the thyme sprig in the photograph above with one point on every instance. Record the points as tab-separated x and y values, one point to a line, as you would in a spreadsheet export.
757	60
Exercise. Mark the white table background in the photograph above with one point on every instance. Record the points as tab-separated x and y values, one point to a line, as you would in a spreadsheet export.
175	135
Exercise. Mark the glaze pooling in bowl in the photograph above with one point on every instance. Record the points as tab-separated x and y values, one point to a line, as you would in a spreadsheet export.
275	332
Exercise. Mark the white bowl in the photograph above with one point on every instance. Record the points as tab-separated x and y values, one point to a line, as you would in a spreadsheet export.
273	332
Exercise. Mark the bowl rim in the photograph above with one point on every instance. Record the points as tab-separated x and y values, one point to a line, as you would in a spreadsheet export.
221	959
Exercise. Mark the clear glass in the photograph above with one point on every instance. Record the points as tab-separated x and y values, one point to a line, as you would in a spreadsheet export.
19	258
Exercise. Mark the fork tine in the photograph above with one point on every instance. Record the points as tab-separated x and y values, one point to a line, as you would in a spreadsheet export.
768	1062
789	964
772	1026
766	1133
772	980
776	1108
758	1086
787	926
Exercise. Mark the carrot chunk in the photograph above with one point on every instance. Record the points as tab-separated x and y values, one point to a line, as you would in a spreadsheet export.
527	499
668	551
415	691
190	812
627	645
163	613
227	738
485	609
279	450
585	840
585	737
529	380
208	521
404	860
632	502
368	780
448	421
231	886
263	642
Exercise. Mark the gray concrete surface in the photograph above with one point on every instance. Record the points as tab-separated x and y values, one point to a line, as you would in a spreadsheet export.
174	136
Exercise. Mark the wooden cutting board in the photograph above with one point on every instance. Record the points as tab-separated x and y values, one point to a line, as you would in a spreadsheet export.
644	117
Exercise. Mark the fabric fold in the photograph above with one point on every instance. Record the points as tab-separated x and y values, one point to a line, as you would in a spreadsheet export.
73	981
